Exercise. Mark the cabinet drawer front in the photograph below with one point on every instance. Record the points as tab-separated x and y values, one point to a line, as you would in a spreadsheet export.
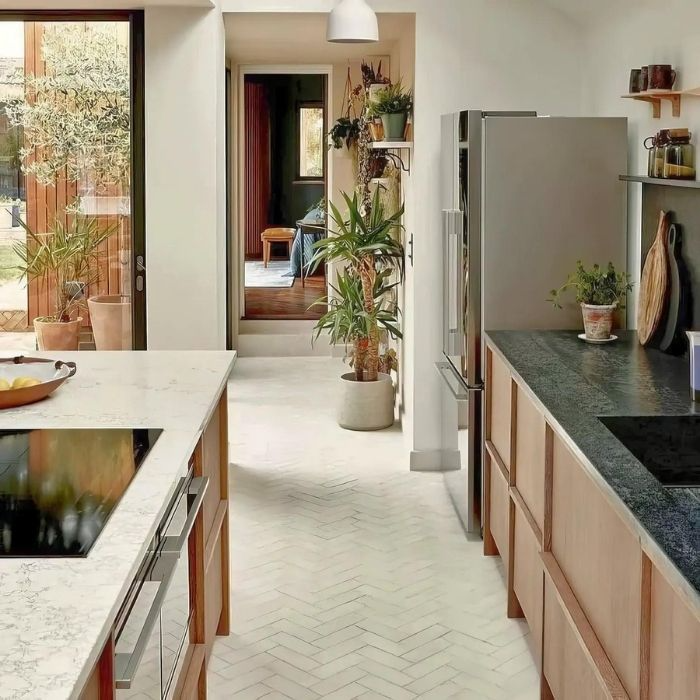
569	671
601	559
527	577
213	597
529	458
211	467
499	389
499	512
674	665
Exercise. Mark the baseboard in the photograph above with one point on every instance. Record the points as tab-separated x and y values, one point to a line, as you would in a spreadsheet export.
435	460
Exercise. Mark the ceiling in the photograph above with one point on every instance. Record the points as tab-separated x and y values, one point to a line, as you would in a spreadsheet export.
295	37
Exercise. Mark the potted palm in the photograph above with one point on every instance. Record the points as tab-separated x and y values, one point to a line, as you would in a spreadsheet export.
393	104
67	261
600	292
362	307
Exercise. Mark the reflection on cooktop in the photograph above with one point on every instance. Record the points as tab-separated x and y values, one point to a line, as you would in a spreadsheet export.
59	487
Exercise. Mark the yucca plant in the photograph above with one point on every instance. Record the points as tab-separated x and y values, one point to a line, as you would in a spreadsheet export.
66	259
347	321
368	246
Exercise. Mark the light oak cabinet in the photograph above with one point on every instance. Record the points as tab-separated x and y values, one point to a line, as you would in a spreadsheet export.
606	621
674	664
528	577
498	411
499	507
528	463
568	665
601	559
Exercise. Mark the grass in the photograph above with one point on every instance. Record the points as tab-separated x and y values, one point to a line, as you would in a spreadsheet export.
8	263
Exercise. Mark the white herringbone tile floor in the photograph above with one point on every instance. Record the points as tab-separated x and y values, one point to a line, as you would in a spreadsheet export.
351	577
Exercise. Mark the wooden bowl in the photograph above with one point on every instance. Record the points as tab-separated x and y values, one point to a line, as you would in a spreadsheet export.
51	374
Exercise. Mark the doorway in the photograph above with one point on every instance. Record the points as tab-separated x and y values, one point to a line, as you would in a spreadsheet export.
284	193
71	176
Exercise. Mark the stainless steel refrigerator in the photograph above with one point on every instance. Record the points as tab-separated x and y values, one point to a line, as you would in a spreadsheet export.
524	198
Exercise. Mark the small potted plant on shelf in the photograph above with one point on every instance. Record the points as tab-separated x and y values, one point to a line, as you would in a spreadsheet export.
362	307
600	292
67	261
393	104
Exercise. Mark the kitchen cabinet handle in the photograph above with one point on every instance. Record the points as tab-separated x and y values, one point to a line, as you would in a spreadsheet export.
457	389
197	488
126	664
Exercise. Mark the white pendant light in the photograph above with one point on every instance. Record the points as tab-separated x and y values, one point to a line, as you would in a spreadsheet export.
352	22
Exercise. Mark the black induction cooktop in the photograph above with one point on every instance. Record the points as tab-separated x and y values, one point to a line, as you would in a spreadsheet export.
58	487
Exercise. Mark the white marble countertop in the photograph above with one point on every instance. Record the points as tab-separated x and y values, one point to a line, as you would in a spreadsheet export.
56	614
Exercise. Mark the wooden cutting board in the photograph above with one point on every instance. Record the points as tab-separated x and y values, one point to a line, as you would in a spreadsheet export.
653	289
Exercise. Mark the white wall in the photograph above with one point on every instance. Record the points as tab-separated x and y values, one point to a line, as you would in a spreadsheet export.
491	54
615	46
185	179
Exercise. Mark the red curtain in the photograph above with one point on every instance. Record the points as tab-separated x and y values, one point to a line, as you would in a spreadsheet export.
257	167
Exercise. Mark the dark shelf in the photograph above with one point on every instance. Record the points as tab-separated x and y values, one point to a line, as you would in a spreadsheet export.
693	184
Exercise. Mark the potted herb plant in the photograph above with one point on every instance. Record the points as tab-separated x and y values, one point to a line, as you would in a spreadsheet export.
67	261
393	104
362	307
600	292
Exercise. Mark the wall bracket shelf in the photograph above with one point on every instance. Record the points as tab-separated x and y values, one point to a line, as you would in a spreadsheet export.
392	150
656	97
691	184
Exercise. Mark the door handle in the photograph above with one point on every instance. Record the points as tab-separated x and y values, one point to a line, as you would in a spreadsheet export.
126	664
454	384
173	544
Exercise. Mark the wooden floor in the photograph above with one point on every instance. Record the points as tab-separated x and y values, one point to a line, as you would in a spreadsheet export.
289	304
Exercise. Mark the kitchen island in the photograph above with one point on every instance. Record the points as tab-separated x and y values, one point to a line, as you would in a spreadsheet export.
57	615
602	559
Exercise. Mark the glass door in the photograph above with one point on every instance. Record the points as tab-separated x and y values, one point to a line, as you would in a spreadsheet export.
72	267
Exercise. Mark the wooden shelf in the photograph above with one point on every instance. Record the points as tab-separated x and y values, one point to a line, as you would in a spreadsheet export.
391	145
692	184
656	97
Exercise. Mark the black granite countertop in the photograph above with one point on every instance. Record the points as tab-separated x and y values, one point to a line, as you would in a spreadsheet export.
577	382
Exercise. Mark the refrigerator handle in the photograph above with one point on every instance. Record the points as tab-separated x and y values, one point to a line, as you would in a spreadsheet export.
460	290
449	282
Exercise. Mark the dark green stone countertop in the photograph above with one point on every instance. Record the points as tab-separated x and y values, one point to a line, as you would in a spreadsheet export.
577	382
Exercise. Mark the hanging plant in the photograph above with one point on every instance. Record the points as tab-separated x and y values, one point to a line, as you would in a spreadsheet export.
345	132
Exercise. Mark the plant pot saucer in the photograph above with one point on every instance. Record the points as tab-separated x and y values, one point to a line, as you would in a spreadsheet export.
597	341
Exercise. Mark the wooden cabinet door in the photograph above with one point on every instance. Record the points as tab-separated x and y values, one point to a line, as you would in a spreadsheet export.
528	463
527	577
568	666
674	663
498	382
601	559
499	508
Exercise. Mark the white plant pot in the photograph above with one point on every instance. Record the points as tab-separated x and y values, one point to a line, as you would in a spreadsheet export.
366	405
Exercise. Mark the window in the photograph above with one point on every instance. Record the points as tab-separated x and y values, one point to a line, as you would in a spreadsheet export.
311	153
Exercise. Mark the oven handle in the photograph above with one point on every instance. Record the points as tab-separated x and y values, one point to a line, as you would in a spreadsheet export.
126	665
197	488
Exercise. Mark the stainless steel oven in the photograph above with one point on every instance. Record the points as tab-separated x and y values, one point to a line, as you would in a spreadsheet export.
152	629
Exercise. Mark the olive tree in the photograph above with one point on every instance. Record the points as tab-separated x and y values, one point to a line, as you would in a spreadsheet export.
76	118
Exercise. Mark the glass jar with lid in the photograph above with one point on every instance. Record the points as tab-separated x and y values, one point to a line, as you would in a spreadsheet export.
679	156
659	152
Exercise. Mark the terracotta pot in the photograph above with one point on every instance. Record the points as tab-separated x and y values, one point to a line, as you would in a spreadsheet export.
598	320
110	318
52	335
366	405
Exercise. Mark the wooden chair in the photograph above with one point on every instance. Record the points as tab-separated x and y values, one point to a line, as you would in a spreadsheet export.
276	235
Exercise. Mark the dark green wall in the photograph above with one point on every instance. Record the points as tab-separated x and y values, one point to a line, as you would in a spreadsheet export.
289	201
